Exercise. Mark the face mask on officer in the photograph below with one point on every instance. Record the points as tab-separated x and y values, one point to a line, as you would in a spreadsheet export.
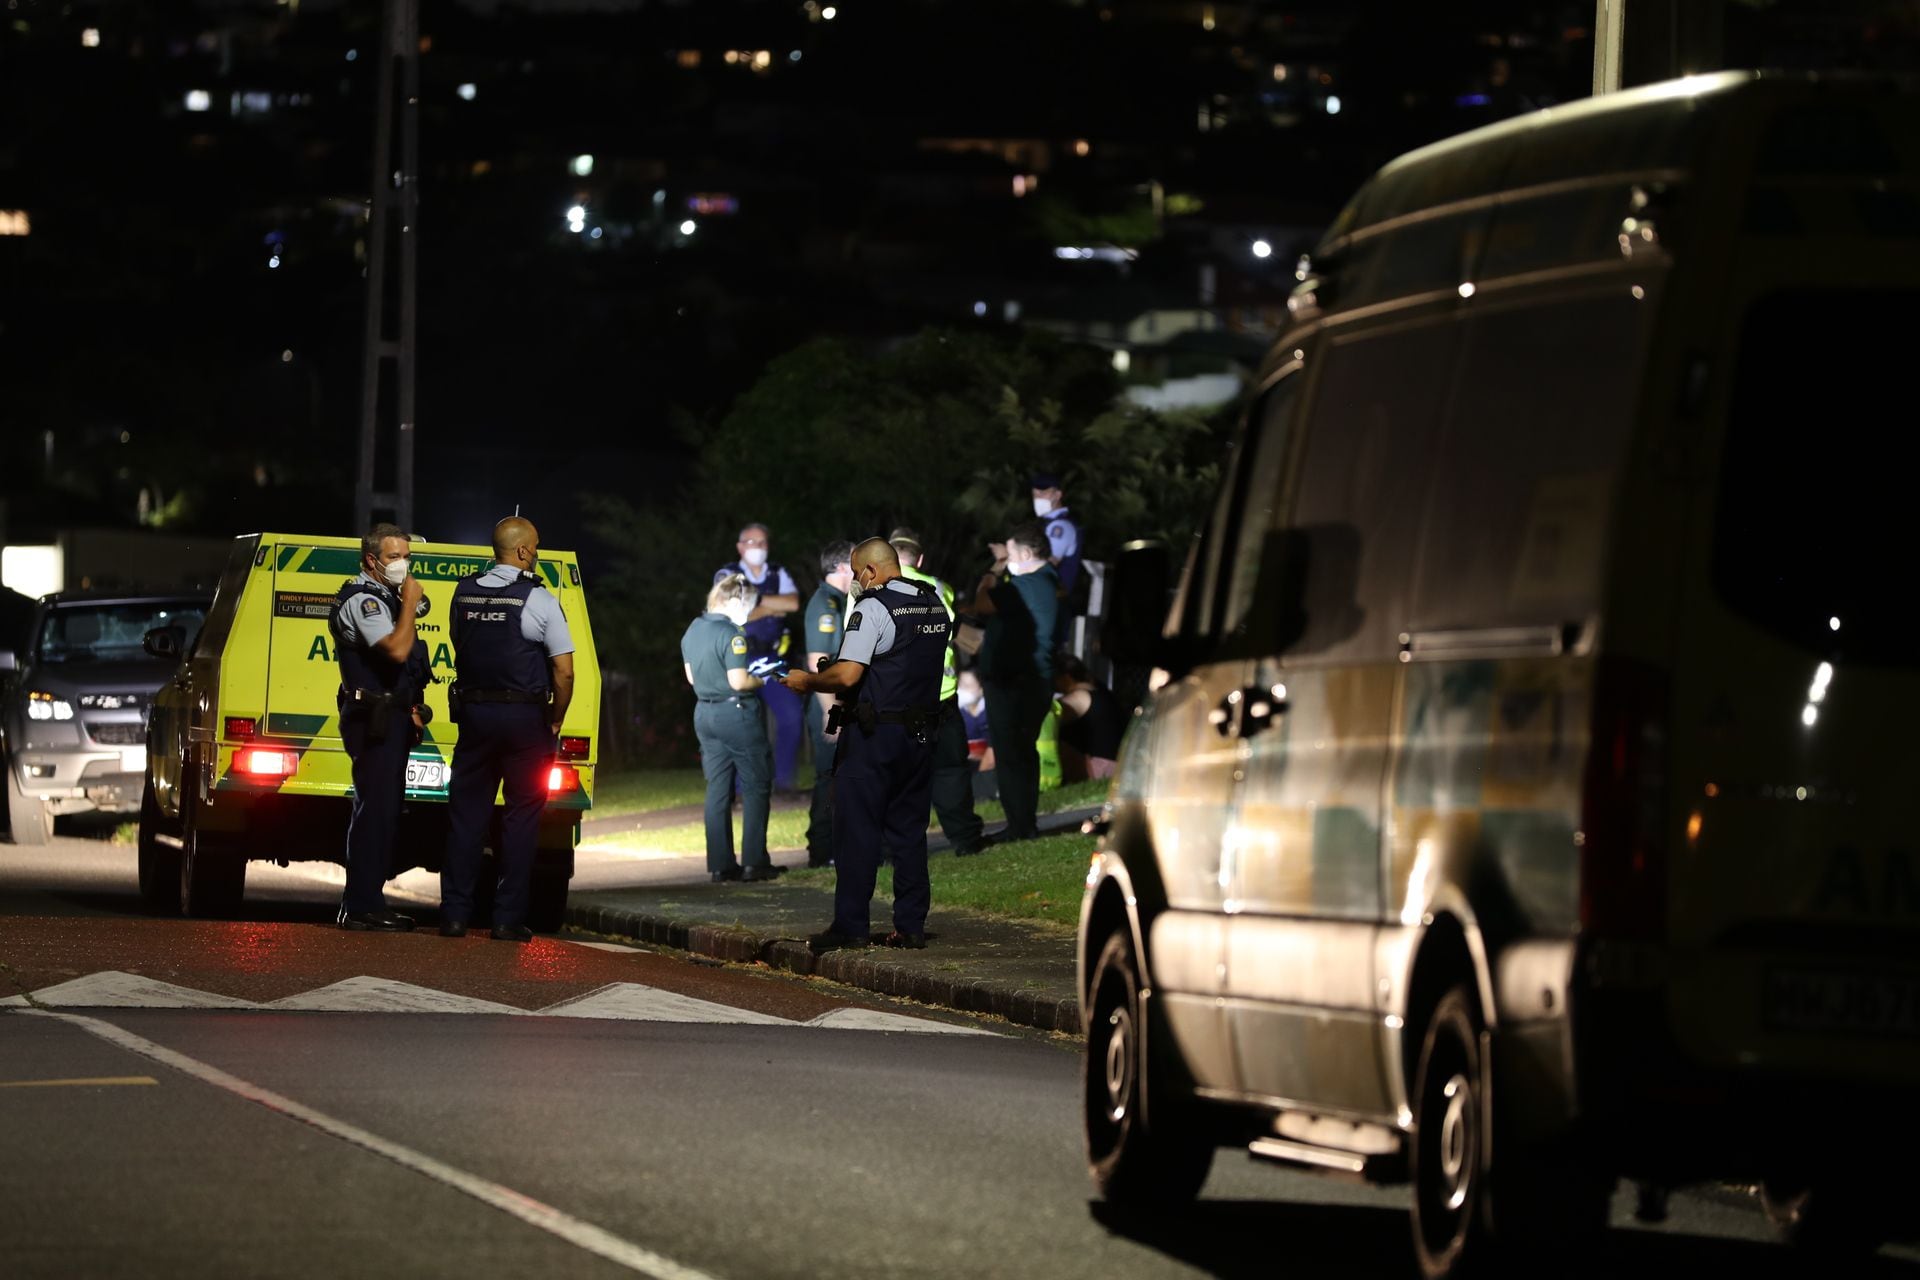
738	611
395	571
754	557
1042	506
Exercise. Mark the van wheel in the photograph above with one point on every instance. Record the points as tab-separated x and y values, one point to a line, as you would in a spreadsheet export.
159	862
1131	1163
213	880
1834	1219
547	900
29	818
1449	1133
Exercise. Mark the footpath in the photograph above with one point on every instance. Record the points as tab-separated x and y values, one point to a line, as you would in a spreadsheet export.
973	963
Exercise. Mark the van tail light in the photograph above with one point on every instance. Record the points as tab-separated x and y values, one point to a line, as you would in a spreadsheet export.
575	748
262	762
1623	839
241	728
562	778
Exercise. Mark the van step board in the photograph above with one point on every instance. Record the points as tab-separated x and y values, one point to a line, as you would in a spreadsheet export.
1289	1152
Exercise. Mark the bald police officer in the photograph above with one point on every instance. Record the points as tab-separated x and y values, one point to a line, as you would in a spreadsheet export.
890	662
383	668
514	658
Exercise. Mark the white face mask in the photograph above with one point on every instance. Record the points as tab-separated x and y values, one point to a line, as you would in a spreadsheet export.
1020	568
754	557
1041	507
971	697
737	613
395	571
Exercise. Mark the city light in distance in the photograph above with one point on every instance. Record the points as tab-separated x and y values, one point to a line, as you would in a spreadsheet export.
577	219
582	166
688	227
273	263
199	100
1833	624
90	37
468	92
286	357
829	13
1333	104
980	310
15	222
1262	250
353	55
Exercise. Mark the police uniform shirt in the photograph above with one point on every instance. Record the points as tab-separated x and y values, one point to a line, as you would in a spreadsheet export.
369	618
823	620
870	627
542	621
1063	535
713	646
767	584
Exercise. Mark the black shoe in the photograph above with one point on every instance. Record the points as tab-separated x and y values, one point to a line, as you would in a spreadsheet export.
382	921
831	941
512	933
768	872
819	860
721	877
453	928
906	941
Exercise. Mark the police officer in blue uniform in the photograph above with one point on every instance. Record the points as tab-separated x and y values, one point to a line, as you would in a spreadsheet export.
514	658
1063	532
383	669
891	659
822	631
767	638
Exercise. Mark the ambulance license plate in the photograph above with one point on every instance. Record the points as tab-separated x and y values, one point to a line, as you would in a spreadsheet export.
426	775
1849	1003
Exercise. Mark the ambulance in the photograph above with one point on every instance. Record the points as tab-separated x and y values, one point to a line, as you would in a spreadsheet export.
244	758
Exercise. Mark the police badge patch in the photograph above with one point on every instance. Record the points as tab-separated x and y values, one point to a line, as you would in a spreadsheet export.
740	645
826	622
853	623
369	607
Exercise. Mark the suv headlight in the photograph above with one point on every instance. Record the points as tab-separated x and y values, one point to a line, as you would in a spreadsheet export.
42	705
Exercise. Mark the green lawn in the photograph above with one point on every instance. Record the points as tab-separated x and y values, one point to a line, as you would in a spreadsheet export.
1075	795
617	793
1035	880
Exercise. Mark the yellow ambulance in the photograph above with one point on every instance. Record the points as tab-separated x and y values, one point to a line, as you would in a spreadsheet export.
244	758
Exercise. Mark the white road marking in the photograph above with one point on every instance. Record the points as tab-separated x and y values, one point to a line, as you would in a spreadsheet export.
575	1231
116	990
851	1019
385	995
604	946
635	1002
630	853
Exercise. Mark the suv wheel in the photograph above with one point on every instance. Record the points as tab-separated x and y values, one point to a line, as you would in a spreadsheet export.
1449	1119
1131	1163
159	862
29	819
212	880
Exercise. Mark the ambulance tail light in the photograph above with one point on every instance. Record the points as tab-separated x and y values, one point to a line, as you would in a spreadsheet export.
1622	837
263	762
242	728
562	778
575	748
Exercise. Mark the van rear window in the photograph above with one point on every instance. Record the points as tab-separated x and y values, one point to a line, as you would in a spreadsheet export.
1816	478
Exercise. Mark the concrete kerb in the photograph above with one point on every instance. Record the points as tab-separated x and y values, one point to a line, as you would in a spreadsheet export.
863	969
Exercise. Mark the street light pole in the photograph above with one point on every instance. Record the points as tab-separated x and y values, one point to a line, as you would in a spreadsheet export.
395	201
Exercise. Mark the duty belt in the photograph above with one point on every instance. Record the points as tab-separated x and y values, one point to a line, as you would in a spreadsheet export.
378	708
504	695
919	721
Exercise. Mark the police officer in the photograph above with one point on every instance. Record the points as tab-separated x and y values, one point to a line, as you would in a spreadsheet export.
822	623
733	741
383	668
1016	670
1063	532
890	660
767	637
514	656
952	767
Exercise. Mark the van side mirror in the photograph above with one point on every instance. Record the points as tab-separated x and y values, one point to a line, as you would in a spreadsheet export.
164	642
1137	588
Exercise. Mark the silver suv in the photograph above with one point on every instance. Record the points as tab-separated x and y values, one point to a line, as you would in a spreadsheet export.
77	696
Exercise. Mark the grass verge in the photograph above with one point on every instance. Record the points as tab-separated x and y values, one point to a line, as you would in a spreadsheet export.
1038	881
623	792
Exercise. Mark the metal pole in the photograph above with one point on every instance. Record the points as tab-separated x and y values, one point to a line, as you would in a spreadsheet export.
409	52
375	335
1609	22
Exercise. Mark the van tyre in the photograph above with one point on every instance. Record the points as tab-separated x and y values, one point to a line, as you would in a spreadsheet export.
1132	1164
159	861
1450	1236
213	879
29	818
547	900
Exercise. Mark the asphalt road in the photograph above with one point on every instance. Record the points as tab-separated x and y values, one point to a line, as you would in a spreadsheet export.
763	1139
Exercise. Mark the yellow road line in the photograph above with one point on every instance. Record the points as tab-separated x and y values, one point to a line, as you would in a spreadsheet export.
93	1080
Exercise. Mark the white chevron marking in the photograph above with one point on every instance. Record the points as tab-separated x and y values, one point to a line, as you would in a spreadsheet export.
631	1000
385	995
115	990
